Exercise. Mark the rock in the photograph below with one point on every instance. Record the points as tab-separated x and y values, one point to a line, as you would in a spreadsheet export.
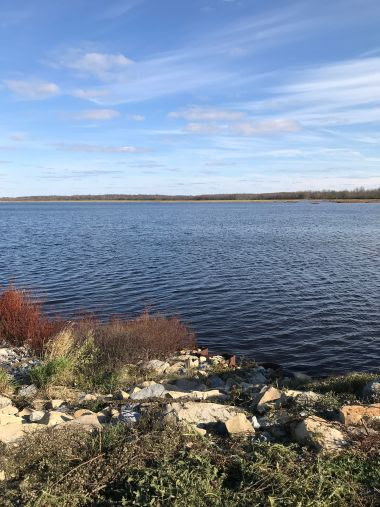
25	412
37	415
321	434
303	396
270	395
258	378
38	404
9	419
14	431
9	410
104	415
192	362
2	475
372	389
54	404
354	415
88	421
202	359
88	397
134	390
5	401
255	423
175	368
55	418
82	411
216	382
154	391
121	395
184	384
148	383
200	414
129	415
197	395
156	365
239	425
28	391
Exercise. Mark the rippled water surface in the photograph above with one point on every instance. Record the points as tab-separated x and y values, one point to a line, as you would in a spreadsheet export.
297	284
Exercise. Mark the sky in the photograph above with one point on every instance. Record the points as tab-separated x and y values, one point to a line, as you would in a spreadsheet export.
188	96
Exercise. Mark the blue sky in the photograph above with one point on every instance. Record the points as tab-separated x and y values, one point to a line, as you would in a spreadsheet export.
188	96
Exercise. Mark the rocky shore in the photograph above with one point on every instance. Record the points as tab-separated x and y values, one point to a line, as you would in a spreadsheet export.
206	394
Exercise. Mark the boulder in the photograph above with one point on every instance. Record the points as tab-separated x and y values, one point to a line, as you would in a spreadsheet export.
354	415
55	418
321	434
200	414
238	425
154	391
14	431
9	419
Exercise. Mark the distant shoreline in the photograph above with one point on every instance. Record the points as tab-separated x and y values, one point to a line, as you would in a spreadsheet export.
173	201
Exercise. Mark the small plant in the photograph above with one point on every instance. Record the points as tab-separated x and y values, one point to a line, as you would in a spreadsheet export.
6	384
22	321
54	370
351	384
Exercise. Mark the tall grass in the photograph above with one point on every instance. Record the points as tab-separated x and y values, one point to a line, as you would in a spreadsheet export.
23	322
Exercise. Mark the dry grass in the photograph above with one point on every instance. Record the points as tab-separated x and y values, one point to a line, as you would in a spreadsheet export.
121	342
22	321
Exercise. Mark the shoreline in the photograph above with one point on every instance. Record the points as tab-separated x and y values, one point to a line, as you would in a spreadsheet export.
193	201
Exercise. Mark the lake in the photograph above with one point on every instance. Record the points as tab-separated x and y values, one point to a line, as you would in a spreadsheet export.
294	283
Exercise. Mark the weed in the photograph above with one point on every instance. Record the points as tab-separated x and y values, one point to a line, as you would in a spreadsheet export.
22	321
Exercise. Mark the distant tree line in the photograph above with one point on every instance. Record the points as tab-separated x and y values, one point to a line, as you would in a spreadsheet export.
358	193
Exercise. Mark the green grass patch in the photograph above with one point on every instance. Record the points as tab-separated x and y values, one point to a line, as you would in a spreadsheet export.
155	464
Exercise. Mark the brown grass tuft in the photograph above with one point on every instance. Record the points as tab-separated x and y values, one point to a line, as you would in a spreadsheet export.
128	341
22	321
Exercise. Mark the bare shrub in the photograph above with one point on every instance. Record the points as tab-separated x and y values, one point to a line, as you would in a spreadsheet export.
22	321
127	341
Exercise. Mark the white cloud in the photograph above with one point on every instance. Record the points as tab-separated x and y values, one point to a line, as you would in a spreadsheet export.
137	117
98	148
102	65
32	89
270	126
97	115
207	114
246	128
90	94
